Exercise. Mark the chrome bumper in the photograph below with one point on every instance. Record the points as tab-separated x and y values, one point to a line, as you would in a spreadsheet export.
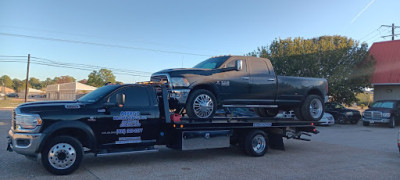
24	143
376	121
180	95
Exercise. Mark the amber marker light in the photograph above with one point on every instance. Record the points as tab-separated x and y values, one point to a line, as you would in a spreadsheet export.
174	125
181	125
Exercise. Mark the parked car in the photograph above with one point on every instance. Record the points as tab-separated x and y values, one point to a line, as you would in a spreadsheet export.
327	120
341	114
242	81
382	112
14	95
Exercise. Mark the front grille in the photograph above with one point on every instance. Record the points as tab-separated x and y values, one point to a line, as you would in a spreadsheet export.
13	123
159	78
373	114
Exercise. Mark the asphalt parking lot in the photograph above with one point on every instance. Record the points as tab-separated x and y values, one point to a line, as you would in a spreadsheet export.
338	152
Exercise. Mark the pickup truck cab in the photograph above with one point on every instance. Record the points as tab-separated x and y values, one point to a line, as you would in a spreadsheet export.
123	119
243	81
382	112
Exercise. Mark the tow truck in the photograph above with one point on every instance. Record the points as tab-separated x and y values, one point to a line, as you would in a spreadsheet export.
134	118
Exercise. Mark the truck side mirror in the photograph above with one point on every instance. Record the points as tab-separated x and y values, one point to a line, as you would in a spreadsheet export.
120	99
238	65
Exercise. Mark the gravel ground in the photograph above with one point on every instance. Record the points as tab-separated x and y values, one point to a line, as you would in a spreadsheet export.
338	152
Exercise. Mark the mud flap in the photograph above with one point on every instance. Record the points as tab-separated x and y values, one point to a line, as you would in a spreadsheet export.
276	141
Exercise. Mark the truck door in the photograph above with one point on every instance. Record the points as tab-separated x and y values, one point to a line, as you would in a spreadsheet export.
134	123
262	81
234	85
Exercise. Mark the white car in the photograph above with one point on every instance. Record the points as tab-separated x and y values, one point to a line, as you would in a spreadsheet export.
327	119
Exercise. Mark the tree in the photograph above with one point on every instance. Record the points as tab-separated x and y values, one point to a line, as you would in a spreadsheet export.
101	77
341	60
19	85
6	80
64	79
35	83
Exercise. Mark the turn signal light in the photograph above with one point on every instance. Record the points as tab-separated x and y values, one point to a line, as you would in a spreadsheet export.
181	125
174	125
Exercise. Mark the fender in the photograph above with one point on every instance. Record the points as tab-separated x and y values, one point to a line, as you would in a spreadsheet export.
69	124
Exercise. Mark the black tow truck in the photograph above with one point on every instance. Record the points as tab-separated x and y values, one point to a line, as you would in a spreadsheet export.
123	119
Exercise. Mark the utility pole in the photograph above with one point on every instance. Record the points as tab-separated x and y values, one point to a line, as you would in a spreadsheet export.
393	27
27	76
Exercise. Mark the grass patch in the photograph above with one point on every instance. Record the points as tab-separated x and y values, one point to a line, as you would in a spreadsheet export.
10	102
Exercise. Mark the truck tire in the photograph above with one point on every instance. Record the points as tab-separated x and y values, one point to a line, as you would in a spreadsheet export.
312	108
62	155
201	104
266	112
392	122
256	143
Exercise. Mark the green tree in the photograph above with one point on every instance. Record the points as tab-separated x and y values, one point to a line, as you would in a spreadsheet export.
6	80
19	85
35	83
99	78
64	79
342	61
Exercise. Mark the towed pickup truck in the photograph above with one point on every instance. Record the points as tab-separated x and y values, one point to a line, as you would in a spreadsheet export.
124	119
242	81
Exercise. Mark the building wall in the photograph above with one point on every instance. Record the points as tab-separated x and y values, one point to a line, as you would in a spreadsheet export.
386	92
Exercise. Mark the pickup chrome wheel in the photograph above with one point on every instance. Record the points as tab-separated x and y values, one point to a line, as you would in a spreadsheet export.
201	104
312	108
62	155
256	143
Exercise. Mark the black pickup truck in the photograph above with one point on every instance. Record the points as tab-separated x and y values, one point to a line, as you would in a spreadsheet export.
243	81
122	119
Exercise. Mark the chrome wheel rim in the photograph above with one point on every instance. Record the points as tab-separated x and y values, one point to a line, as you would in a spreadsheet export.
316	108
62	156
203	106
258	143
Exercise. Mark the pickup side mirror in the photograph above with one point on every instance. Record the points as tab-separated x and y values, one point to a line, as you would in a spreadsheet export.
238	65
120	99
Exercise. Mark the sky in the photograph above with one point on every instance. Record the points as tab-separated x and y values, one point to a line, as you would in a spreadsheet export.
137	38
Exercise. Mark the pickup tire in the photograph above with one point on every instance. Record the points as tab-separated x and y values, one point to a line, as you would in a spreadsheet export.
201	104
266	112
62	155
312	108
256	143
392	122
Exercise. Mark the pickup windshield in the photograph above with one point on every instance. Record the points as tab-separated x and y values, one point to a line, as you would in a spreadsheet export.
383	105
212	63
98	93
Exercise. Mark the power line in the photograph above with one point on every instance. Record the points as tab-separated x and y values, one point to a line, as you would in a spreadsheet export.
99	44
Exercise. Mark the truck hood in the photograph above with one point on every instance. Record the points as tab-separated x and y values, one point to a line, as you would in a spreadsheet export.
41	106
181	72
380	109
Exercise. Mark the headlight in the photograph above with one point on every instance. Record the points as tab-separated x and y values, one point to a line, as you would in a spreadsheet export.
179	82
28	121
349	113
386	115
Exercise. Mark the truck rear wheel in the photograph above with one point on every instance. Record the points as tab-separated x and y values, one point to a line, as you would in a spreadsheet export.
312	108
62	155
392	122
201	104
266	112
256	143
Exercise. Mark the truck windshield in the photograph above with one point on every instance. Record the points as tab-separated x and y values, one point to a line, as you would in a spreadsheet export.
98	93
383	105
212	63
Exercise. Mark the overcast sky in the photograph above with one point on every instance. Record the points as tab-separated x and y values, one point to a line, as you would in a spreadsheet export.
149	36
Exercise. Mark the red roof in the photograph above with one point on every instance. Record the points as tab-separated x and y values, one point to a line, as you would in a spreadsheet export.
387	58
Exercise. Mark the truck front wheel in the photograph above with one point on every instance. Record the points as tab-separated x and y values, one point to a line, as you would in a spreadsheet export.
62	155
312	108
201	104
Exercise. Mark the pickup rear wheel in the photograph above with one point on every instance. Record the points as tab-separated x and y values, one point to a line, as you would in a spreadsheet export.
312	108
201	104
62	155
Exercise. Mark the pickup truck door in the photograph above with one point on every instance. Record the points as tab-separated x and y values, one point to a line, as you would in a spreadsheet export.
262	81
135	123
234	85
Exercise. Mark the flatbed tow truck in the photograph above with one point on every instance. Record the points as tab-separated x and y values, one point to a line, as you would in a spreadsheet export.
124	119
